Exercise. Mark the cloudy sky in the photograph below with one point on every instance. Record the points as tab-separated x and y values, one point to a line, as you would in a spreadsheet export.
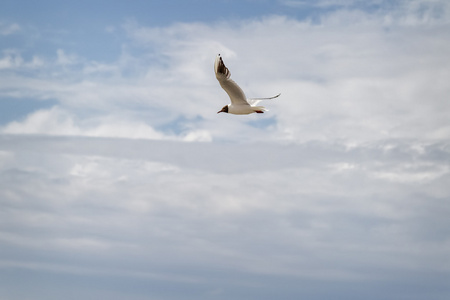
118	180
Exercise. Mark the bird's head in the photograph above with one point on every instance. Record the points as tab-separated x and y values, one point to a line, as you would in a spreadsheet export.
224	109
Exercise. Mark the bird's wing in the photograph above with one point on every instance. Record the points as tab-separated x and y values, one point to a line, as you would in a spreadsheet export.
235	93
254	101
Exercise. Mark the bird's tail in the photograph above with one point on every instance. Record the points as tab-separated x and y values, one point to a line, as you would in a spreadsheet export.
254	101
266	98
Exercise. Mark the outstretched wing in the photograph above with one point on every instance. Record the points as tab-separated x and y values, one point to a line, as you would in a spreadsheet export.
235	93
254	101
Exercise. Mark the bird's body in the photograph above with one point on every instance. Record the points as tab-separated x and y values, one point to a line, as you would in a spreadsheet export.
239	105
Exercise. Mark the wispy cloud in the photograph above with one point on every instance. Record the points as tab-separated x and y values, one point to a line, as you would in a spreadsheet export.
13	60
9	28
354	76
325	4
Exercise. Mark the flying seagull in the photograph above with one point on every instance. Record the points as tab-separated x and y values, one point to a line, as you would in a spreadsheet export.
240	105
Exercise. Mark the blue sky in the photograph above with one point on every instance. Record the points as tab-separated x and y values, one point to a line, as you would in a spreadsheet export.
81	26
118	179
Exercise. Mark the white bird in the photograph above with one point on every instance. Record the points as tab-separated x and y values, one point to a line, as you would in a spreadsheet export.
239	105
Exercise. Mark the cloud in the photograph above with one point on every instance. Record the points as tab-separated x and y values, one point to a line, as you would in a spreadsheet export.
352	75
408	12
131	185
56	121
322	3
228	213
8	29
12	59
64	59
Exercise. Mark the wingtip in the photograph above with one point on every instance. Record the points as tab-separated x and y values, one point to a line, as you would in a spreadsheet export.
220	68
276	96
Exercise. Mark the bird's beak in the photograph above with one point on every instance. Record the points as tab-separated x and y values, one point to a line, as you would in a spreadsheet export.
219	111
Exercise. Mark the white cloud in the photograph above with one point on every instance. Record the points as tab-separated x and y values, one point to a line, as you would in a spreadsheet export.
8	29
65	59
198	136
324	3
425	13
52	121
11	59
352	76
56	121
133	178
314	211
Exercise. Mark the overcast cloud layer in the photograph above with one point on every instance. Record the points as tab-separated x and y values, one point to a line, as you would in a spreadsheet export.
143	219
118	180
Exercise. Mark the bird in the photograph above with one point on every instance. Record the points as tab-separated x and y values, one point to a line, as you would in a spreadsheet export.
239	105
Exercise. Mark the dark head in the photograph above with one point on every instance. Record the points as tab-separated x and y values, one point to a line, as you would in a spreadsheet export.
224	109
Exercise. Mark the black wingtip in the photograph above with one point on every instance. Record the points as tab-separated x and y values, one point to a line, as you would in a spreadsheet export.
220	67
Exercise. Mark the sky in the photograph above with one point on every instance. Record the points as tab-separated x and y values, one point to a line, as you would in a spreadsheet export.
119	180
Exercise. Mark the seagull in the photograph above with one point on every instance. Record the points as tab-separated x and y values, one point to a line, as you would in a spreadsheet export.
240	105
